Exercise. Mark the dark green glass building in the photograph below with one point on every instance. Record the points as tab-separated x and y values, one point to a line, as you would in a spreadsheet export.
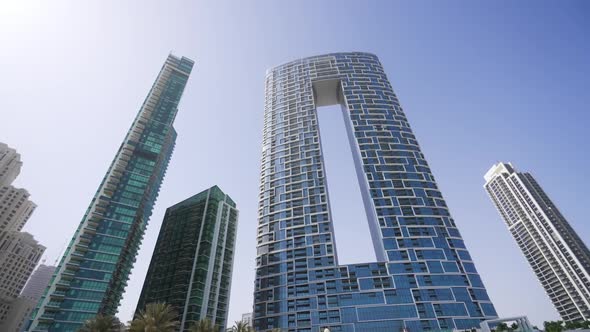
94	269
191	267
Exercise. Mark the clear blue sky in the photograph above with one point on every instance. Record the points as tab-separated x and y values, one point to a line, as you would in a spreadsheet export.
480	82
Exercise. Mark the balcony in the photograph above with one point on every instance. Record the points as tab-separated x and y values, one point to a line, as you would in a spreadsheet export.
46	317
93	221
82	246
58	294
63	284
68	274
90	229
84	239
52	306
77	256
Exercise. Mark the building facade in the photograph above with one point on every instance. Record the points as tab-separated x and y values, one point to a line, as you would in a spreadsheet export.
424	277
21	309
10	164
15	209
15	206
19	254
93	272
247	319
38	282
557	255
191	267
18	314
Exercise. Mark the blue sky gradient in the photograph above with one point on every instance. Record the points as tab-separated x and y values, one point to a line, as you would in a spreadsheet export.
480	82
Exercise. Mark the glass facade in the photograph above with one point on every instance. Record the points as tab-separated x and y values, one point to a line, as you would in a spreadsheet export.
94	269
557	255
424	278
191	267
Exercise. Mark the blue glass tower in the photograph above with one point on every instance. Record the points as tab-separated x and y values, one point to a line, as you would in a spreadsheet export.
424	278
94	269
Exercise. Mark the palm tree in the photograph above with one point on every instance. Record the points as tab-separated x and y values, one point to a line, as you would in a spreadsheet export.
241	327
157	317
204	325
101	323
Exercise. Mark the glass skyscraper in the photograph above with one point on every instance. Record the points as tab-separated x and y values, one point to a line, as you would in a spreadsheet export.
557	255
424	277
94	269
191	267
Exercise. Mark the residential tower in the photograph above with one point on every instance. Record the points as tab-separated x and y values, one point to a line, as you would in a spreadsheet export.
557	255
191	267
423	278
93	272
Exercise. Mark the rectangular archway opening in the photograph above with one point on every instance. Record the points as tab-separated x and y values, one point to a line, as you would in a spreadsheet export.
351	230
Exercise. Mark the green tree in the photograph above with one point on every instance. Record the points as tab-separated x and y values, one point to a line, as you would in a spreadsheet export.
101	323
571	325
204	325
514	326
577	325
157	317
553	326
501	327
241	327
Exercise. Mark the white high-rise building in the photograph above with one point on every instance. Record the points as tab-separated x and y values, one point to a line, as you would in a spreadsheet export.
10	164
15	208
557	255
247	319
19	254
18	313
21	308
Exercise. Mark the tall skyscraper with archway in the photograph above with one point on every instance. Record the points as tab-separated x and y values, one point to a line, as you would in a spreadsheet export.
423	278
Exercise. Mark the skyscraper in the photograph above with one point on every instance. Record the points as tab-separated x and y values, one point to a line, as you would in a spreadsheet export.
19	254
38	282
10	164
424	277
247	319
191	267
15	208
556	253
94	269
21	308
